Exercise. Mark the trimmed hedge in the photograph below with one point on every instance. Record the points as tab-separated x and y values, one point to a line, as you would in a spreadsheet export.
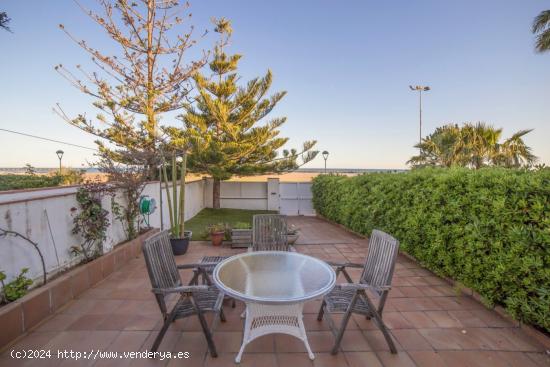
487	229
16	182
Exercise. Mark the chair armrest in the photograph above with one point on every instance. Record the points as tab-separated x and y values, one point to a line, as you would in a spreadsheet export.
181	289
196	265
358	286
345	265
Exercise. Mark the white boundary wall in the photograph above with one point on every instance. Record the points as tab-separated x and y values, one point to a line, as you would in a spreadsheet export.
44	215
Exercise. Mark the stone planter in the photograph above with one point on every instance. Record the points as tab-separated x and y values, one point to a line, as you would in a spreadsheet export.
241	238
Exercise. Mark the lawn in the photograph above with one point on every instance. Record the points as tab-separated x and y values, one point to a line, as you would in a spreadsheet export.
209	216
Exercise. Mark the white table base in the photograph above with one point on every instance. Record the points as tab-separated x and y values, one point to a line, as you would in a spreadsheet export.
271	319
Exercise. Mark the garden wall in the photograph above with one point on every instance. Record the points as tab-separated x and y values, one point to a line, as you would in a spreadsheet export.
487	229
45	217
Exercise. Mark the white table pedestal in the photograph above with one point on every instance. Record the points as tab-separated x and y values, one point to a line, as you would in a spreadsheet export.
264	319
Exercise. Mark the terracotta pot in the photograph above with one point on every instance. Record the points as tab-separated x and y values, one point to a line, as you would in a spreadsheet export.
217	238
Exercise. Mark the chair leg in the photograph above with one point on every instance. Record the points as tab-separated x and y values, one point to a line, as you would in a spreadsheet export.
233	304
208	335
321	311
163	330
384	331
341	331
222	316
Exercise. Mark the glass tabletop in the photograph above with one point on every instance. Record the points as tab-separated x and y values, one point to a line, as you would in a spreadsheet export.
274	277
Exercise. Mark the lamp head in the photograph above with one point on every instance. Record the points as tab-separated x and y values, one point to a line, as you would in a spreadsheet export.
59	153
325	154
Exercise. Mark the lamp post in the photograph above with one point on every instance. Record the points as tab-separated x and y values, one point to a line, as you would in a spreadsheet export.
59	155
325	157
420	89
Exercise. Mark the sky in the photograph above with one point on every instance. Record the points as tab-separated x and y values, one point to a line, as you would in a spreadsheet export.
346	66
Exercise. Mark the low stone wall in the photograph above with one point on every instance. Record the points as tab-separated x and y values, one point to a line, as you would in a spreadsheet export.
20	316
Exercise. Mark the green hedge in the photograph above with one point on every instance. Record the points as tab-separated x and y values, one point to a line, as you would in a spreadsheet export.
16	182
487	229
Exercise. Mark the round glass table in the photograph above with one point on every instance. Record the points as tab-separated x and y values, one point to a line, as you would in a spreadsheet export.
274	285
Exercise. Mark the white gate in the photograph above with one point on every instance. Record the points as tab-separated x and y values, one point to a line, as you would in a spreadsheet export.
295	198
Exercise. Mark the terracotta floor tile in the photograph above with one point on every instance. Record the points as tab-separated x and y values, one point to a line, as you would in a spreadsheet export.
443	319
400	359
293	360
519	359
228	341
87	322
168	342
362	359
426	358
363	323
59	322
410	339
472	358
377	342
541	359
395	320
443	339
457	303
193	342
115	322
263	344
418	319
422	312
467	318
329	360
354	341
319	341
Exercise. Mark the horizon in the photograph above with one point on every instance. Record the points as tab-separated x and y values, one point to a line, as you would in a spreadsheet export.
346	67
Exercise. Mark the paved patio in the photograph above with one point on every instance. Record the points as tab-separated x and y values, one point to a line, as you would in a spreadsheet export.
430	323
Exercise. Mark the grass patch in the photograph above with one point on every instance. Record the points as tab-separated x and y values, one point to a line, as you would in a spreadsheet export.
209	216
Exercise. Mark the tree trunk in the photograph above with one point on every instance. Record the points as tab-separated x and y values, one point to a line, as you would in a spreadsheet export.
216	193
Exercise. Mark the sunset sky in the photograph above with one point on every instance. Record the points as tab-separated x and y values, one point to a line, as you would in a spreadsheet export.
346	66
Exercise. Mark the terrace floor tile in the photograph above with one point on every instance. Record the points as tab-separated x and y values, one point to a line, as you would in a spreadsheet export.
431	324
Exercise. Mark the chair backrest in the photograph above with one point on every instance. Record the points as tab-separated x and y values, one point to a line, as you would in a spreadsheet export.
381	258
161	265
269	233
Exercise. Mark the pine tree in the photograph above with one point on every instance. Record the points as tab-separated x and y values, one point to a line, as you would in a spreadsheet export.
147	78
226	130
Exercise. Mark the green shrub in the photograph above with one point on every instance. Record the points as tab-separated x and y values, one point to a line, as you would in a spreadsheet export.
488	229
17	288
17	182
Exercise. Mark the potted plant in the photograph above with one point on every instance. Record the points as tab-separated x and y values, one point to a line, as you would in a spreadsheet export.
241	235
217	233
292	234
176	205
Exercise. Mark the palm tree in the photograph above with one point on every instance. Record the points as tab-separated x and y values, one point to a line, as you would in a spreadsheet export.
4	20
514	152
541	27
472	145
441	148
479	143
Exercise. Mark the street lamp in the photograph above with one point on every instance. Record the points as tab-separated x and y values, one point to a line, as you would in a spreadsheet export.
325	157
420	89
59	155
